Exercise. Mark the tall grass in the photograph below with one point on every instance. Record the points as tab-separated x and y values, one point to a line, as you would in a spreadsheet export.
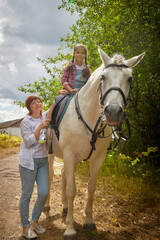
129	177
7	141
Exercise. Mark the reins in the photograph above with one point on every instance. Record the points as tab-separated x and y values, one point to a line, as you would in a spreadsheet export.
96	132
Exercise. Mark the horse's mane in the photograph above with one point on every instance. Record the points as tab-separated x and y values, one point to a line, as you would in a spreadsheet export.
117	59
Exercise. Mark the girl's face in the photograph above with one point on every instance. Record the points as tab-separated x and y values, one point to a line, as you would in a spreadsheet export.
79	54
36	106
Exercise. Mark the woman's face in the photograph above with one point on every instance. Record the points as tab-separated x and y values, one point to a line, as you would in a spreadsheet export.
36	106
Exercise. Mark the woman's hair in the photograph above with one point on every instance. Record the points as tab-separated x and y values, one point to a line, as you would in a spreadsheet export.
29	100
86	71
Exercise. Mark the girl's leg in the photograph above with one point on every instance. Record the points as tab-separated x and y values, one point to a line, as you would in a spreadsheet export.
27	178
42	180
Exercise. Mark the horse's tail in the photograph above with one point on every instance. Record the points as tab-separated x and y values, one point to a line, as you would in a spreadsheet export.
50	147
50	143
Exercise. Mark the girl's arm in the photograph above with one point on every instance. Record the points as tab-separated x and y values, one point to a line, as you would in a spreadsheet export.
64	79
69	89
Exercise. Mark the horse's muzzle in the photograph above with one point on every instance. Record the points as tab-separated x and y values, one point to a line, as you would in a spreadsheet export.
113	114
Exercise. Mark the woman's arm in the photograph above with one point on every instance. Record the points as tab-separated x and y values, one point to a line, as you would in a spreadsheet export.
29	135
43	125
49	112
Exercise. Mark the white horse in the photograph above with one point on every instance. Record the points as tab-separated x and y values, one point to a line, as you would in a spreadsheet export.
103	98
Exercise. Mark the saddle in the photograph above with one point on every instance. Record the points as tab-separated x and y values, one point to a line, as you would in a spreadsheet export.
62	103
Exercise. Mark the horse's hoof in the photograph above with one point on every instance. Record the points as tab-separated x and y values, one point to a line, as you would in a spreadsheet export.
90	227
70	234
72	237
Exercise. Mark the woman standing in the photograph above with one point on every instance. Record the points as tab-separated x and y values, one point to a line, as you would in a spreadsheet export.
33	165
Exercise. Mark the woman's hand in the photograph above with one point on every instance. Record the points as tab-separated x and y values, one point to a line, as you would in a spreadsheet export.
45	123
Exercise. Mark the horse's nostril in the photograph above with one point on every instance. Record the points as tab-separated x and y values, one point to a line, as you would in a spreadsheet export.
106	111
120	111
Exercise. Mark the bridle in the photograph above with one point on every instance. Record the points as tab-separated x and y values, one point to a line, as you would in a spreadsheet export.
102	98
98	131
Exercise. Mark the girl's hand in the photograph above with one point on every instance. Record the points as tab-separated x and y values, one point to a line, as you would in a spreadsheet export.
62	91
75	90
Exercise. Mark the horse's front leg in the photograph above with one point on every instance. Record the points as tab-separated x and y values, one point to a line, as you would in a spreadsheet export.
64	197
92	183
46	208
70	195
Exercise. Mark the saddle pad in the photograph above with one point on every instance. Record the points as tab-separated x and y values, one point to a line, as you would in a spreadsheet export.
62	103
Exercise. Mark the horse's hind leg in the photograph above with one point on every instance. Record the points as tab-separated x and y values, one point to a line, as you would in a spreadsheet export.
70	194
95	166
46	208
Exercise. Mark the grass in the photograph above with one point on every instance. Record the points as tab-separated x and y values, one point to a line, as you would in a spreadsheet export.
127	178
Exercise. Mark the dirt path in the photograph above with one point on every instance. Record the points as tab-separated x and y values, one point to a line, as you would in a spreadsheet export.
115	218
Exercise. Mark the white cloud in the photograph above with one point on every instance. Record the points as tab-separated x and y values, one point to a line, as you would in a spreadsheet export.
5	103
15	113
1	38
10	111
12	67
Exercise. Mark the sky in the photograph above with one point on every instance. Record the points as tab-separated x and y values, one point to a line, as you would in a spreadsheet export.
28	29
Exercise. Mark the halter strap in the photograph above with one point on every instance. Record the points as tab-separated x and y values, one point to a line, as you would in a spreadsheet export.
114	88
102	98
116	65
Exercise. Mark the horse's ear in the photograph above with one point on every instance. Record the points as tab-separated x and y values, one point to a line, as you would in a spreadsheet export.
132	62
105	58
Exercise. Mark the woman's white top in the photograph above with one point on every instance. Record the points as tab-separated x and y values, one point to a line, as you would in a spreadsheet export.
30	147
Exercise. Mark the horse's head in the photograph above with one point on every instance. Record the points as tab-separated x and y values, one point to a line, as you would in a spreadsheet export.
115	85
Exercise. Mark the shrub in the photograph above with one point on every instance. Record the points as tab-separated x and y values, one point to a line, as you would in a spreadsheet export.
9	141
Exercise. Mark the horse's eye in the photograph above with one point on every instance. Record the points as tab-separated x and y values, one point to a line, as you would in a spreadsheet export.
130	79
102	77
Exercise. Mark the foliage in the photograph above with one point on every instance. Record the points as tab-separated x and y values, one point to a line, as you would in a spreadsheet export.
7	141
46	88
133	177
143	165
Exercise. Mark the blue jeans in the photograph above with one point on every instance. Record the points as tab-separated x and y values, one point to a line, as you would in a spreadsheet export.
40	174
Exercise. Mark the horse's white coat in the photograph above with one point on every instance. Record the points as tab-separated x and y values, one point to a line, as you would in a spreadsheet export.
74	143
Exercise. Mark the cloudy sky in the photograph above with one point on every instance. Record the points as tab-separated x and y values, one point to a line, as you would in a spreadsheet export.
28	29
